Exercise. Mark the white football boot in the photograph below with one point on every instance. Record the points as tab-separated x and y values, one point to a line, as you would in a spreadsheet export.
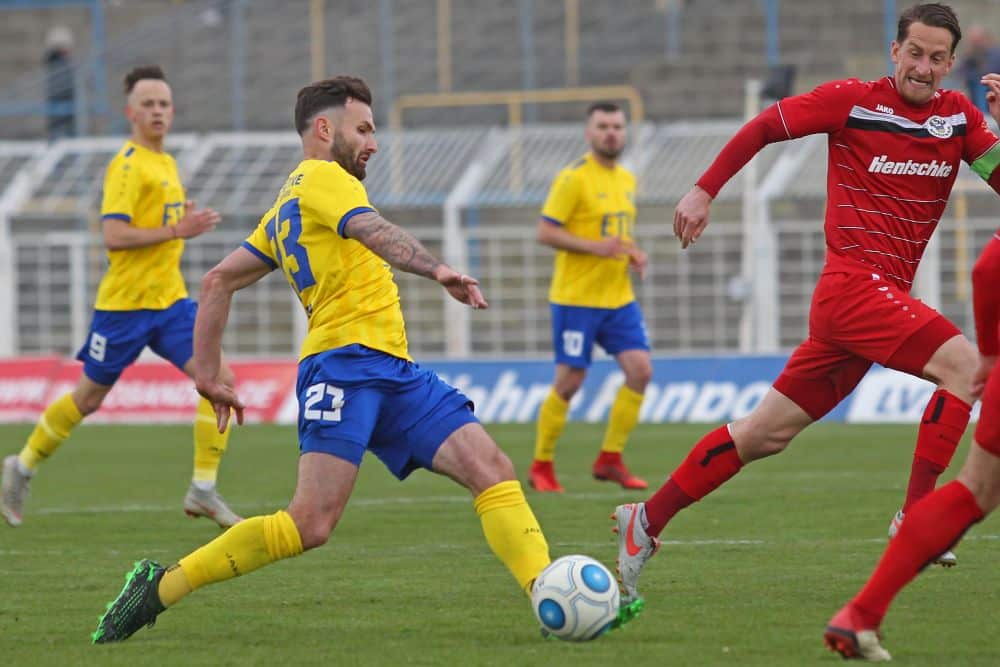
635	547
13	491
209	504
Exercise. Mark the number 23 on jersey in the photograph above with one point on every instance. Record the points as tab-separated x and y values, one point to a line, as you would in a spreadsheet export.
284	231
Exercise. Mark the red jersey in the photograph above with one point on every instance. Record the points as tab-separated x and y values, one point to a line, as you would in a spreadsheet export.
891	166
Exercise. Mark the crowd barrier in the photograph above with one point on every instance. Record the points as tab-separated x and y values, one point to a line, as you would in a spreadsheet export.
683	389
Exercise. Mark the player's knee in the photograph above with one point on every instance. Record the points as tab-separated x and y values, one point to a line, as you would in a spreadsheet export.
952	366
756	441
566	388
964	361
640	376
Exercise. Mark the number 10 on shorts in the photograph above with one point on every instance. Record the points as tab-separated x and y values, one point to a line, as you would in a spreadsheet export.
314	402
572	343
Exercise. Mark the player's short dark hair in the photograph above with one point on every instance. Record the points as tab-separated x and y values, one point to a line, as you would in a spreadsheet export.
328	93
137	74
934	14
606	107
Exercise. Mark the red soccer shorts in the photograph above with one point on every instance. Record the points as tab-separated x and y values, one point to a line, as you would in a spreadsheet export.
858	317
988	428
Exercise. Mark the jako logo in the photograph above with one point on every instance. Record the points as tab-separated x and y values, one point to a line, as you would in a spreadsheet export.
881	108
881	165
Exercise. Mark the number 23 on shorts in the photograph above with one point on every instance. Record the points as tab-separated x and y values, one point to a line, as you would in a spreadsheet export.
314	406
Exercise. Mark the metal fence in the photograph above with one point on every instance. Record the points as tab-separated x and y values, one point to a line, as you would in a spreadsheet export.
472	196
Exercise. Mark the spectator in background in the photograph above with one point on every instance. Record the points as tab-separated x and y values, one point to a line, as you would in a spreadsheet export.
981	57
59	84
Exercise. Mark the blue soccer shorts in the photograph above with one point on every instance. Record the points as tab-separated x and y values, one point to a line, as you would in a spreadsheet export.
117	338
353	399
575	329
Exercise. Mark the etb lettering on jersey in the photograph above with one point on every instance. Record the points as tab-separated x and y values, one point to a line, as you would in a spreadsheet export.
881	164
172	213
618	224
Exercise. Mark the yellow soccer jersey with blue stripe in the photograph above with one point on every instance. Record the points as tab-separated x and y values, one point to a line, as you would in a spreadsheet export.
593	202
142	188
348	291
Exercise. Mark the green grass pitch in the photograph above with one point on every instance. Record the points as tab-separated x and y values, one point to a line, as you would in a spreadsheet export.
747	577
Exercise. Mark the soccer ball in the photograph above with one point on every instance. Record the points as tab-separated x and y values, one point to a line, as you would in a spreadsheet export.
575	598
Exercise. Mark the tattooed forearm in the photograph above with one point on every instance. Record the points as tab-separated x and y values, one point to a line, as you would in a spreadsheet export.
392	243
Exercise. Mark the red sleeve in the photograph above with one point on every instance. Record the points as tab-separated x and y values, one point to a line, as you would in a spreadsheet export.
824	109
986	298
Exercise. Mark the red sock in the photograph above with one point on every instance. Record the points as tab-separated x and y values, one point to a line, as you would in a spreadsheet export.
923	478
941	428
932	527
712	461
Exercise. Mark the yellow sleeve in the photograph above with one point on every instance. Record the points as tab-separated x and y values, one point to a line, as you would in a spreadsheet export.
336	197
259	242
562	198
122	186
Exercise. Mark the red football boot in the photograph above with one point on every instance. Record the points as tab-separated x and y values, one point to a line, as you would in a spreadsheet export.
845	635
609	467
542	477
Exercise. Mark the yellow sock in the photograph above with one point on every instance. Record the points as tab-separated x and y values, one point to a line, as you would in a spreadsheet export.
52	428
551	422
247	546
512	531
622	419
173	586
209	444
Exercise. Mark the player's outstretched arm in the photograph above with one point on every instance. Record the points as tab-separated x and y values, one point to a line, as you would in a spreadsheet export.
238	270
398	247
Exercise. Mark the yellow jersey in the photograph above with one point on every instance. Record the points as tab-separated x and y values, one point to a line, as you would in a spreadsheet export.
142	188
348	291
591	201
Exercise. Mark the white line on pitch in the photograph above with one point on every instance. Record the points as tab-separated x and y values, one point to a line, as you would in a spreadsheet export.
354	502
